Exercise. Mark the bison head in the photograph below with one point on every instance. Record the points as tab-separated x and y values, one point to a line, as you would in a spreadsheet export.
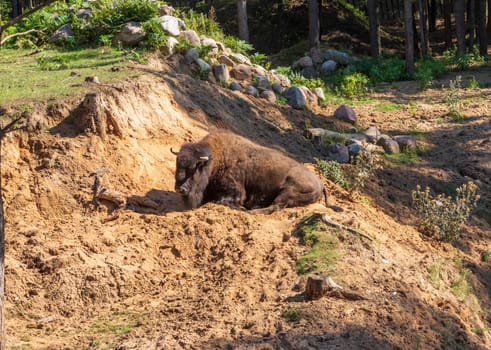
192	172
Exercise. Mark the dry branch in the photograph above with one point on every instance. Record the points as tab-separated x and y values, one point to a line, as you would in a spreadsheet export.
326	219
8	37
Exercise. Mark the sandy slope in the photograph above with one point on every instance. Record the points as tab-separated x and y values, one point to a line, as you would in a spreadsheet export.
94	277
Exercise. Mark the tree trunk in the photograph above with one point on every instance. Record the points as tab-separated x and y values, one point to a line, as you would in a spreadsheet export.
432	14
2	264
471	24
447	19
481	27
16	8
314	30
489	18
374	28
422	28
408	24
459	10
242	20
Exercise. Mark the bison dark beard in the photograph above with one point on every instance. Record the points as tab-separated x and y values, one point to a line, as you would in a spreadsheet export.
199	181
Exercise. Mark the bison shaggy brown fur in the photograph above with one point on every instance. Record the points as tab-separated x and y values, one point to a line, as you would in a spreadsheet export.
230	169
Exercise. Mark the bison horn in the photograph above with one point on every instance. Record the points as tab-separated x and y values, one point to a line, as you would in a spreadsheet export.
204	158
173	152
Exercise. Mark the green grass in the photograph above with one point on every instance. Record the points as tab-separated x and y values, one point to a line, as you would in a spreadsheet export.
323	253
405	157
389	107
435	274
31	75
292	314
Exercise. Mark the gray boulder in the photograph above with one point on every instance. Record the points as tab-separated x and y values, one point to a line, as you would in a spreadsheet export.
328	67
355	148
131	34
191	37
406	142
309	73
191	55
338	152
310	97
234	86
277	88
170	46
240	58
373	134
338	56
62	34
251	90
226	60
84	13
210	43
171	25
305	61
166	10
262	82
389	145
241	72
268	95
345	113
220	71
295	97
202	65
319	93
282	79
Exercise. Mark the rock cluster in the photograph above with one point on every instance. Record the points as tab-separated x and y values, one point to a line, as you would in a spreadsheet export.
342	147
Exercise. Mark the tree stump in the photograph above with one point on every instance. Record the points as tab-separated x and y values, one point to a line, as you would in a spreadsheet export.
316	287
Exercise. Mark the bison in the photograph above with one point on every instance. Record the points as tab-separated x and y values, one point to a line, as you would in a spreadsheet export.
229	169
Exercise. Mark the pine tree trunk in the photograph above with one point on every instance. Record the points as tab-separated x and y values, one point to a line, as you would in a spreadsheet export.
314	29
447	18
459	10
374	28
408	24
242	20
422	28
481	27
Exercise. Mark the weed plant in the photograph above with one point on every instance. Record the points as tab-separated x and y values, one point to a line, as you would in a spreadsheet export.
442	216
365	165
292	314
452	99
331	170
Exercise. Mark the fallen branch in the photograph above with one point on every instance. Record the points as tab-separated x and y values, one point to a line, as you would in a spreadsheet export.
8	37
326	219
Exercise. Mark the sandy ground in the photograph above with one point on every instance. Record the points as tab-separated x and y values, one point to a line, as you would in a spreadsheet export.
81	275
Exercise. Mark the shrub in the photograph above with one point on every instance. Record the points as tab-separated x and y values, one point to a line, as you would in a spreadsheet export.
429	69
292	314
353	85
332	171
202	24
387	69
237	45
365	164
156	37
442	216
452	98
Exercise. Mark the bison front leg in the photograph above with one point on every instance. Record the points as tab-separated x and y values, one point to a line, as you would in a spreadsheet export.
231	194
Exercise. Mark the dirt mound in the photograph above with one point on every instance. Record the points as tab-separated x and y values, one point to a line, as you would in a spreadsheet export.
86	275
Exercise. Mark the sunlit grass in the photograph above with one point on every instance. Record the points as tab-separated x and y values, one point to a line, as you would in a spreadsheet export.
28	75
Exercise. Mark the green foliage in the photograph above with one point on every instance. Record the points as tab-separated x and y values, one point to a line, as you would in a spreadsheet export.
486	256
429	69
323	254
356	11
406	156
109	15
365	165
55	62
260	59
353	85
331	170
237	45
473	84
388	70
442	216
453	100
297	79
292	314
463	62
202	24
156	37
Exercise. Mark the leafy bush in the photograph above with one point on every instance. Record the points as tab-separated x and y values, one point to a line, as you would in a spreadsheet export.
332	171
202	24
109	15
292	314
353	85
57	62
429	69
260	59
442	216
452	98
297	79
365	165
156	37
237	45
462	62
388	70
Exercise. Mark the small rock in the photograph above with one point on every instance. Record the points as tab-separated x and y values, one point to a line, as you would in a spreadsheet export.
203	65
355	148
131	34
258	70
251	90
406	142
191	55
338	152
295	97
346	114
92	79
262	83
309	73
220	71
282	79
225	60
170	46
191	37
390	146
166	10
277	88
373	134
83	13
303	62
170	25
268	95
241	72
320	94
62	34
310	97
210	43
234	86
338	56
240	58
328	67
